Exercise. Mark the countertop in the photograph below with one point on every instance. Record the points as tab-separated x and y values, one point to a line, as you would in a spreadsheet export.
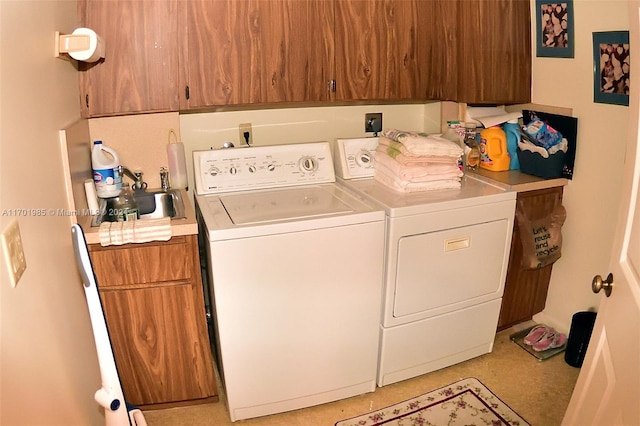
515	180
510	180
186	226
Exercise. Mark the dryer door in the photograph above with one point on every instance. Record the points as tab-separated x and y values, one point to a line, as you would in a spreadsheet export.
445	270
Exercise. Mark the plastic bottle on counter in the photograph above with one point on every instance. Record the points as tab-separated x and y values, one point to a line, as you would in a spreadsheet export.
177	162
471	150
493	149
512	130
126	207
106	173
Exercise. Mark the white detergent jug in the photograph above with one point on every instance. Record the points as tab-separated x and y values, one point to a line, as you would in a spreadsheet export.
106	170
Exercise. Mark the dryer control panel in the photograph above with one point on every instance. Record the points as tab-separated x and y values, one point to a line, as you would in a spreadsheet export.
354	157
260	167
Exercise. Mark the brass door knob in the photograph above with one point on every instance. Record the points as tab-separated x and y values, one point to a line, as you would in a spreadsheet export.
598	284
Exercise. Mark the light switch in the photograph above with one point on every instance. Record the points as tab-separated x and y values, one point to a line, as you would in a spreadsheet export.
13	252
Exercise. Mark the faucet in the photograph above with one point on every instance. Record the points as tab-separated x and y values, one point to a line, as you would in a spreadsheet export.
164	179
136	177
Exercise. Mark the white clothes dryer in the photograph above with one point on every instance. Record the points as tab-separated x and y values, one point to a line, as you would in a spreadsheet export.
295	273
446	257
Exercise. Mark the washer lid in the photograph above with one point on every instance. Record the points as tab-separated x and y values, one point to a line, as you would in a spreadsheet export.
285	210
276	205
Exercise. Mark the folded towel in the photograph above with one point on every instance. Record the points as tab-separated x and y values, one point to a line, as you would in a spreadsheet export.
387	178
135	231
104	234
115	232
399	152
424	144
416	172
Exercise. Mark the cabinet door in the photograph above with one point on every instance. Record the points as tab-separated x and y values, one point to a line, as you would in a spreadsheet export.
255	51
139	72
157	344
381	50
494	51
153	301
437	27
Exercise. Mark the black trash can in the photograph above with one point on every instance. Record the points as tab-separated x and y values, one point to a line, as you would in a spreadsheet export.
579	335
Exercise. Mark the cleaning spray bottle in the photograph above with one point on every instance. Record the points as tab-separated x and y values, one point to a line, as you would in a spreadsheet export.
177	162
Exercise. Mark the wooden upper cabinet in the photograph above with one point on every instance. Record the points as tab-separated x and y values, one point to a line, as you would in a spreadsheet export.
438	24
380	51
494	51
139	72
242	52
171	55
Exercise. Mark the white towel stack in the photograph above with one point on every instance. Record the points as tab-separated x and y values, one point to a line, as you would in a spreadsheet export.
135	231
414	162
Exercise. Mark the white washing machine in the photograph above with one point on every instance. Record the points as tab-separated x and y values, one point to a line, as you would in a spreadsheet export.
295	273
446	258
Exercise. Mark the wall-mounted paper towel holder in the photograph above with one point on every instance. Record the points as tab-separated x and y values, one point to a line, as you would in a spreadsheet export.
82	45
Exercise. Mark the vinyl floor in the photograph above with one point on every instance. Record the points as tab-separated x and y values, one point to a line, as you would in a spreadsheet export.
539	391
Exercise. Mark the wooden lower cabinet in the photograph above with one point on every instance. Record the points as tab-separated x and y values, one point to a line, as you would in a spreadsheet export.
525	290
153	301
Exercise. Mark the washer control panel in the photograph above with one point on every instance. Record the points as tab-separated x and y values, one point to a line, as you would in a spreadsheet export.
240	169
354	158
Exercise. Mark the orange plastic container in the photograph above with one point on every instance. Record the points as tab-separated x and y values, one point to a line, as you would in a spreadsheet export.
493	149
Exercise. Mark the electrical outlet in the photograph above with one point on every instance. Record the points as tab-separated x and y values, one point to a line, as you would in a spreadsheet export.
373	122
243	129
13	252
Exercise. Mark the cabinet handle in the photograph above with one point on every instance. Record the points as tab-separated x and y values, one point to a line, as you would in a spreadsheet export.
86	100
331	86
186	92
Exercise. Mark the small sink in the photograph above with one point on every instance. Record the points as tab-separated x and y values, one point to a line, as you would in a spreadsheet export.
152	204
166	204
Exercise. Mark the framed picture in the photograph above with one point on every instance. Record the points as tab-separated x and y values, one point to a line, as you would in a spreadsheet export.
554	23
611	64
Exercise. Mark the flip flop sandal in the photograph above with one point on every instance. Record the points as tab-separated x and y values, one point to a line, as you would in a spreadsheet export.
551	340
536	334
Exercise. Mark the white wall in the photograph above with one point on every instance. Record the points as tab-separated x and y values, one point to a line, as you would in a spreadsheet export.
140	140
294	125
592	197
291	125
48	360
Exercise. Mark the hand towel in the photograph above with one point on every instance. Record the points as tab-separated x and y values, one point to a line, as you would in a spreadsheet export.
424	144
135	231
399	152
387	178
419	171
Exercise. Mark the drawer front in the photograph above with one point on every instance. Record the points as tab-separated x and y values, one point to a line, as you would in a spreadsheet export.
135	264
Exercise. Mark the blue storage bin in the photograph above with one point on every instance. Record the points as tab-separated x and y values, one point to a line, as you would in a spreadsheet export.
532	163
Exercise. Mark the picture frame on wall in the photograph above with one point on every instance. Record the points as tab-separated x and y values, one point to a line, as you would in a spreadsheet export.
611	66
554	23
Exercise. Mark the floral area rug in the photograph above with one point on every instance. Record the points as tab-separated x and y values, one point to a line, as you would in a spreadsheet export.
467	402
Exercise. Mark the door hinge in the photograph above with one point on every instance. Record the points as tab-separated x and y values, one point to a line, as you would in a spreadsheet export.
186	92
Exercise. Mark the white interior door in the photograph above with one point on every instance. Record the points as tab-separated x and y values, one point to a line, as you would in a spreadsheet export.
608	389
